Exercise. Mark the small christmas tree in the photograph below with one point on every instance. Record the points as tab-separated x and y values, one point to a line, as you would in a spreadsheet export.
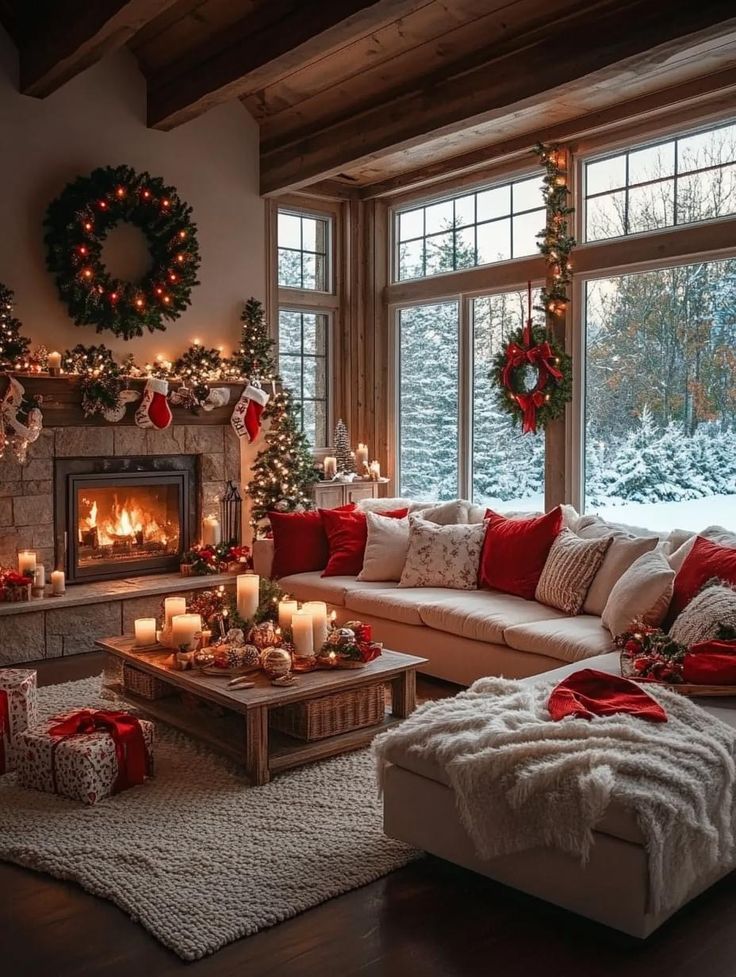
13	346
254	360
341	446
283	472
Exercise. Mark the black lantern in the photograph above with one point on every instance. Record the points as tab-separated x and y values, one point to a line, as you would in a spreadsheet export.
231	513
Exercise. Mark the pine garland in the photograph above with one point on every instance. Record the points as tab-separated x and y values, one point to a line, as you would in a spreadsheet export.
555	242
102	378
78	222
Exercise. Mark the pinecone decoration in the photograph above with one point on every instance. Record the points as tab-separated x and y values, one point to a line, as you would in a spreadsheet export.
234	657
251	656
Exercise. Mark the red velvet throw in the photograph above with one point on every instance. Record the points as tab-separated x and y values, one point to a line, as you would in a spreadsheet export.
710	663
590	693
130	747
4	726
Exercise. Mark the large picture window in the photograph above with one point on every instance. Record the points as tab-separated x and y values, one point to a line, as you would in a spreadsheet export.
477	228
660	396
303	360
453	438
677	181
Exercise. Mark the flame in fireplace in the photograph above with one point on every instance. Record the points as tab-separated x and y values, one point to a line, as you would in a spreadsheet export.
128	522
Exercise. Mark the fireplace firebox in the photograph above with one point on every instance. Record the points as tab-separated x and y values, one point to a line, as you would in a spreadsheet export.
124	517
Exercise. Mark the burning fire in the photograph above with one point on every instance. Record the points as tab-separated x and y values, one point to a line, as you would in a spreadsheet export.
126	523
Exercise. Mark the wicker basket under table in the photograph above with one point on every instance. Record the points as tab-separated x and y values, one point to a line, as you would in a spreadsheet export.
145	685
340	712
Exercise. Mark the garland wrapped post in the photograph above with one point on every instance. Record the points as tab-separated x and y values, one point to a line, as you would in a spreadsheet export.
78	222
533	372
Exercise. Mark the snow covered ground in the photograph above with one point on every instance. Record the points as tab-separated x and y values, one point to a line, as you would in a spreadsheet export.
694	514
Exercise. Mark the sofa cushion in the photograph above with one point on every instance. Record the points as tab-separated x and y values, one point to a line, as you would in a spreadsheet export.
443	513
642	593
515	551
569	571
299	542
347	533
402	605
568	639
313	586
482	615
620	555
385	548
706	614
706	559
442	556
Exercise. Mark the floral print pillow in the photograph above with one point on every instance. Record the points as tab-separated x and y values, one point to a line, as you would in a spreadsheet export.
443	556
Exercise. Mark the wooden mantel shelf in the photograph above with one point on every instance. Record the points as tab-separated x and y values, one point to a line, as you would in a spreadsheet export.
62	396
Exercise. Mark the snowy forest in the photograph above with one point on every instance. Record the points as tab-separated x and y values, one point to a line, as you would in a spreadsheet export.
660	404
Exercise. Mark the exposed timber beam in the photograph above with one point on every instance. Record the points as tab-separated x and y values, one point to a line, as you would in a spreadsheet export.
593	43
276	38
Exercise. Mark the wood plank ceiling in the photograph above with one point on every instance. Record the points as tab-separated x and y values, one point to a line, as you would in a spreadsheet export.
362	97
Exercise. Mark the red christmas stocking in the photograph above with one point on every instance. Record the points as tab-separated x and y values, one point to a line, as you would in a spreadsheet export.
246	418
154	410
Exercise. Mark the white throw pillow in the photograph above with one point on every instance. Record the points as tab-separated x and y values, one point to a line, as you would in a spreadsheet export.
443	556
385	548
643	593
620	555
382	505
443	513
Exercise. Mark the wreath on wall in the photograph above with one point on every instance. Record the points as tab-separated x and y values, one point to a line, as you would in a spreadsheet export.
78	222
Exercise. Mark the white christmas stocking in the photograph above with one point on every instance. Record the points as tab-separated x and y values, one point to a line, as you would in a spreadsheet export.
154	410
246	418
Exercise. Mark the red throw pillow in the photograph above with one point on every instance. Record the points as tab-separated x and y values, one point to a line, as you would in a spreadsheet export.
515	551
299	542
347	533
704	561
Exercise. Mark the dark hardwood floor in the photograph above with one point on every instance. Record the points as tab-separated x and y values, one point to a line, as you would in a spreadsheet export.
430	919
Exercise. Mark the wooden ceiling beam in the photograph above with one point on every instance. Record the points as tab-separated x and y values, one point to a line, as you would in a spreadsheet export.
66	37
591	43
274	39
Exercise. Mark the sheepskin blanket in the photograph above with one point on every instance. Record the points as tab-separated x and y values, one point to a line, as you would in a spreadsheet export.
522	780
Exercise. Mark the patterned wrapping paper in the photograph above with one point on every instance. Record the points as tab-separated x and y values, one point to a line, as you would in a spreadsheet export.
19	685
83	767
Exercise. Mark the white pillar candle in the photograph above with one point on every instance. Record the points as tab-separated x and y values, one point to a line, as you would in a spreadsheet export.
302	634
58	583
318	610
172	606
39	576
287	607
375	470
184	628
145	631
330	466
27	562
247	594
54	361
361	457
211	532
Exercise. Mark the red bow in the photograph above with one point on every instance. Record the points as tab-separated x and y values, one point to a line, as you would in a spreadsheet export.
540	356
126	732
4	726
529	404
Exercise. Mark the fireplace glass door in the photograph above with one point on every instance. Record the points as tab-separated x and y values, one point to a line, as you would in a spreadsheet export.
121	525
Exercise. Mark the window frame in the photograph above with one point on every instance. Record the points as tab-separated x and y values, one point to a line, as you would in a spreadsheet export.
328	220
327	399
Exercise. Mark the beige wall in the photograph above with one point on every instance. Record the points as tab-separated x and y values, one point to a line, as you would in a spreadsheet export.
99	118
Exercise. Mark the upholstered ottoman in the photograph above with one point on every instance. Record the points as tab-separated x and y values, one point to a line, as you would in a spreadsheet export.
612	888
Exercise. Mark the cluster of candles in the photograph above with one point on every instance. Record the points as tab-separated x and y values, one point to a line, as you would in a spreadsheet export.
361	463
29	566
308	624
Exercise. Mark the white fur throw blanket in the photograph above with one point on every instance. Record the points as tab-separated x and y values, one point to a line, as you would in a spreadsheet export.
522	780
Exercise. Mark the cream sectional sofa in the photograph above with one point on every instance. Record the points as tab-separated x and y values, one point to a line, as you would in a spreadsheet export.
464	634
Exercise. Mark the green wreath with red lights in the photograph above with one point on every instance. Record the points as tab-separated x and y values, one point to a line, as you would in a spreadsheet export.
78	222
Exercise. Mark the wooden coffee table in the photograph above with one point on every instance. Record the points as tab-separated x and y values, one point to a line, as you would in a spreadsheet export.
242	730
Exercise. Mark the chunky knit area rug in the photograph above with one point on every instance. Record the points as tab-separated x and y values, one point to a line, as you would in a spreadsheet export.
195	855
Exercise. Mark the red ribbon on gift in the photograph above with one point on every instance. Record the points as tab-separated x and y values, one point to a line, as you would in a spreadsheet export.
127	735
710	663
4	726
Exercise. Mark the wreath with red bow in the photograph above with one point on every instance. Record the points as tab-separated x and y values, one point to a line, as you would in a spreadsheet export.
534	375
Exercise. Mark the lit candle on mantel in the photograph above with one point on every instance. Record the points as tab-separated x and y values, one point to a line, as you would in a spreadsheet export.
185	628
287	607
53	362
211	532
302	634
361	457
145	631
330	466
27	562
247	585
318	610
172	606
58	583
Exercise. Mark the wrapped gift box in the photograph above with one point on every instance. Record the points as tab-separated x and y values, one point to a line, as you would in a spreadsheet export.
18	710
83	767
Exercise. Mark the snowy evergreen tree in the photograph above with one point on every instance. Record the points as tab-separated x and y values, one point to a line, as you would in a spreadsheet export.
341	448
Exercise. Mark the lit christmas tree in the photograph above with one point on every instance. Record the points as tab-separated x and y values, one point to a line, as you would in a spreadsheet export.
341	447
13	346
283	472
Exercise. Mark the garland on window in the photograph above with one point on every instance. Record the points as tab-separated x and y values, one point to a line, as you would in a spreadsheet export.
533	371
78	222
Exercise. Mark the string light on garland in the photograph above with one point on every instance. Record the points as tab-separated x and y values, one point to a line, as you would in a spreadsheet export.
78	222
13	347
555	242
102	378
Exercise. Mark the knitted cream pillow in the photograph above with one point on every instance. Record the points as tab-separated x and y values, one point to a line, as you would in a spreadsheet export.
568	573
702	619
443	556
